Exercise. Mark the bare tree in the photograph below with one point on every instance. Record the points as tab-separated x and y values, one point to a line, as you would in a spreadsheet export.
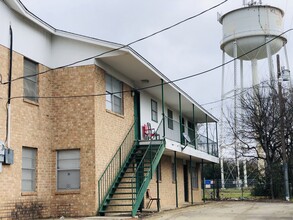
258	127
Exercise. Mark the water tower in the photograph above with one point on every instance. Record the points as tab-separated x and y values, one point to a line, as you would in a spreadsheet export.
251	33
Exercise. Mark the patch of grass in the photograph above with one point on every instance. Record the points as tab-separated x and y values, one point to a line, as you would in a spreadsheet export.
232	193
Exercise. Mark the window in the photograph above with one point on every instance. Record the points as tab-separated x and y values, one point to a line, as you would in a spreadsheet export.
30	81
68	169
154	107
114	95
194	177
173	172
28	180
170	119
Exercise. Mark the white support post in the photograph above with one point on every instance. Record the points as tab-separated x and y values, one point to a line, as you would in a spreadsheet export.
245	173
222	125
235	113
287	64
270	61
255	80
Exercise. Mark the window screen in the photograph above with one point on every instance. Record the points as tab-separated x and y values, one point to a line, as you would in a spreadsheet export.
154	108
68	169
28	183
30	81
114	95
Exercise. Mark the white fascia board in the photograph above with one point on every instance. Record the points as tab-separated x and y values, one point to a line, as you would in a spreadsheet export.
175	146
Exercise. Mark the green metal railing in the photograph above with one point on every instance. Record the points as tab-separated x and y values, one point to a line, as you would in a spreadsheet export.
198	142
111	173
143	173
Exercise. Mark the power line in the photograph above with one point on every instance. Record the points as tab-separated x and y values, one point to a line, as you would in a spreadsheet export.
126	45
167	82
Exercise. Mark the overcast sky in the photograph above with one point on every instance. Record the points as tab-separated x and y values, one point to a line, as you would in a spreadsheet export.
187	49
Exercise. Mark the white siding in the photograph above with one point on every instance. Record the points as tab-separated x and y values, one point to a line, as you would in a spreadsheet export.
28	38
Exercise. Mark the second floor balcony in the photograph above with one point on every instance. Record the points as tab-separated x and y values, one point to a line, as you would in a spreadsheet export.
187	136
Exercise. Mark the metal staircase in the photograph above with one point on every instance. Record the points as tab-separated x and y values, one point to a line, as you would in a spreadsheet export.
123	193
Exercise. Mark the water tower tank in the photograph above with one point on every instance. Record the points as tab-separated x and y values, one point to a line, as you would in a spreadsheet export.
250	27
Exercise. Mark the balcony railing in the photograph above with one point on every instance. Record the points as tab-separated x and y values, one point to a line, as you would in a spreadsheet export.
197	141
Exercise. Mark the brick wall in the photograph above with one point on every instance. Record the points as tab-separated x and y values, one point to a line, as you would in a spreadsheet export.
55	124
168	188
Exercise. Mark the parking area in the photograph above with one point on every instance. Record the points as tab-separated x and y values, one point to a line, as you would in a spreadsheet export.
229	210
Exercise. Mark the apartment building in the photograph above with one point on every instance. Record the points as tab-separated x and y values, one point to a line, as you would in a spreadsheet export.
91	127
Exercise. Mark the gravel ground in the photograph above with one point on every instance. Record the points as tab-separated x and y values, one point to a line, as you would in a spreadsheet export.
230	211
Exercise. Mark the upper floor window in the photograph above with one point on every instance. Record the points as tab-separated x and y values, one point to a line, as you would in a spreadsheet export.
170	119
30	80
68	169
154	108
114	95
28	180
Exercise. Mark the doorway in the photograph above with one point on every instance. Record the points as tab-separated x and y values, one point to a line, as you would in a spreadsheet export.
185	179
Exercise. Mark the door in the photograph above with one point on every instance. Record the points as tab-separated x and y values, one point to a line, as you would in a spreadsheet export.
137	115
185	179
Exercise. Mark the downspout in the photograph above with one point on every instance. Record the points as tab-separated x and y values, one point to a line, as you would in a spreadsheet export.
180	116
175	169
203	182
9	91
207	133
158	189
164	133
163	109
191	186
217	152
193	121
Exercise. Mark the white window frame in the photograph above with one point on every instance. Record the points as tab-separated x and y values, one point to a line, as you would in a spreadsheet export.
29	170
30	80
61	169
114	97
154	110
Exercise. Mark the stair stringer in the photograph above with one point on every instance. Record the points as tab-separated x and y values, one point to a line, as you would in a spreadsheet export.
147	179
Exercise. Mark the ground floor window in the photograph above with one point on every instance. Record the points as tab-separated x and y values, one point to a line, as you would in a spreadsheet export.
28	180
68	169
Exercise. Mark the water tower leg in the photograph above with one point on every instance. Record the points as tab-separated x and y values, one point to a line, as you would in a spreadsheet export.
245	173
287	64
235	113
270	61
222	125
254	71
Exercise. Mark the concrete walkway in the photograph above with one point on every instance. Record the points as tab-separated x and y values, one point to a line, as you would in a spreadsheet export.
223	210
230	211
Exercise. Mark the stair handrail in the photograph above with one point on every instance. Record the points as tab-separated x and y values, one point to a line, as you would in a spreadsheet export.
122	153
150	171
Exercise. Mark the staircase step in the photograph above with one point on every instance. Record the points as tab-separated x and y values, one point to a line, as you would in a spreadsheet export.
122	193
119	204
126	187
125	182
120	199
112	211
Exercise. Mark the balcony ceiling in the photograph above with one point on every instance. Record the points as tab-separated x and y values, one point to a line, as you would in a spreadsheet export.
146	77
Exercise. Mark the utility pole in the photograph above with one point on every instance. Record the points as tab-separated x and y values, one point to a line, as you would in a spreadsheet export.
282	126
